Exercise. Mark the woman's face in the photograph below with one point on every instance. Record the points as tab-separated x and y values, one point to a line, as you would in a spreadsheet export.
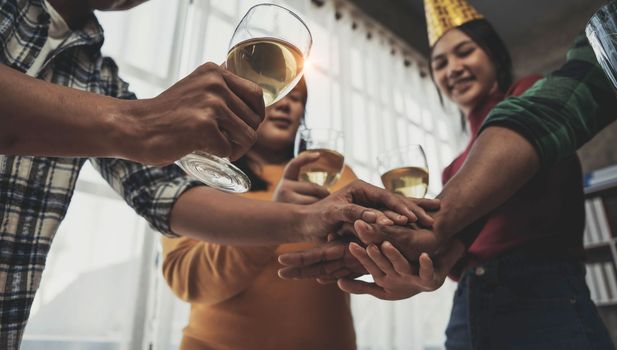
279	128
462	70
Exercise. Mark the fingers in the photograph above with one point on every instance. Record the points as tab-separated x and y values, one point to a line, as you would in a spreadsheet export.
353	212
248	92
367	233
217	143
361	287
420	207
308	189
398	204
312	256
427	271
396	217
380	260
239	133
292	170
240	108
365	260
428	204
398	261
327	269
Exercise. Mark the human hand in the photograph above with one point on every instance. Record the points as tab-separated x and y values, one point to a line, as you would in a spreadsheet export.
395	278
326	263
290	190
357	201
210	110
411	240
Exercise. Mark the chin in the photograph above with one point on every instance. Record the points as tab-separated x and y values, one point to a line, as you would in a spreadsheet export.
471	97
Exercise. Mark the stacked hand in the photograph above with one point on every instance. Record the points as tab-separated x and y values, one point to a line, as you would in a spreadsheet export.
324	213
398	256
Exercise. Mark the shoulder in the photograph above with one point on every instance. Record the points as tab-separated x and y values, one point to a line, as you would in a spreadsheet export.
520	86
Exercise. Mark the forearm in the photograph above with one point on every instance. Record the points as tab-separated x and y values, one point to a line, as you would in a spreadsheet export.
563	111
43	119
499	164
209	215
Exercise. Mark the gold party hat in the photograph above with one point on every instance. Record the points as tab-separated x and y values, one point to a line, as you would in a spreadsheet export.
443	15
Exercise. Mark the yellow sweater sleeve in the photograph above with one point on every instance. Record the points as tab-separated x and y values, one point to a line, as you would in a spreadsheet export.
208	273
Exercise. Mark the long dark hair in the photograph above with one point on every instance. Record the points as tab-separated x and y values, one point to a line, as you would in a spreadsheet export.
485	36
244	163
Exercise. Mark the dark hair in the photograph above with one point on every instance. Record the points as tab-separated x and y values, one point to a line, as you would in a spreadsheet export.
485	36
244	163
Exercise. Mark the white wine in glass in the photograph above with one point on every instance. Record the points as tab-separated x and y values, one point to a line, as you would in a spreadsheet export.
326	170
408	181
268	47
272	64
405	171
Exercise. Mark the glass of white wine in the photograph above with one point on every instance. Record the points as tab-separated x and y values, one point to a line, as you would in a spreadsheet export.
405	171
326	170
602	34
268	47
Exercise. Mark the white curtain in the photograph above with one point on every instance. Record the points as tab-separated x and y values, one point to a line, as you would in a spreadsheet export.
358	82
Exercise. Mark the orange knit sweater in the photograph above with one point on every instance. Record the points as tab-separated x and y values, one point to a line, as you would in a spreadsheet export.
238	301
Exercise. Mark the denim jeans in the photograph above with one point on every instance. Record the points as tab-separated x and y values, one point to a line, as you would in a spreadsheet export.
525	303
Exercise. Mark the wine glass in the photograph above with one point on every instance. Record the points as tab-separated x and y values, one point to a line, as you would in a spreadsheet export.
405	171
268	47
602	34
326	170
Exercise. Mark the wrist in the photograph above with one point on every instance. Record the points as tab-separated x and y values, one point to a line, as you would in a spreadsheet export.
442	227
125	131
303	219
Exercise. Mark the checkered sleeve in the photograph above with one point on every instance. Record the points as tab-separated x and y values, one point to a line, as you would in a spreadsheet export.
150	191
562	111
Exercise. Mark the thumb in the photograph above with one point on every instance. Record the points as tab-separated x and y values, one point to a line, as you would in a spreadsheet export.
292	170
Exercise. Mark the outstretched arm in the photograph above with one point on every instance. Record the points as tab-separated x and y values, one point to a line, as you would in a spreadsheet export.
210	110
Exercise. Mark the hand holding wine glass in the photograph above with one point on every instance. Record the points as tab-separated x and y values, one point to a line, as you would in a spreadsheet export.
268	47
327	169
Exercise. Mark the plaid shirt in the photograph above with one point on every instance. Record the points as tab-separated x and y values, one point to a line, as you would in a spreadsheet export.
564	110
34	191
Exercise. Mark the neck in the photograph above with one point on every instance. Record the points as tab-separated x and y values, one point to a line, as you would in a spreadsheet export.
476	113
263	156
466	110
74	12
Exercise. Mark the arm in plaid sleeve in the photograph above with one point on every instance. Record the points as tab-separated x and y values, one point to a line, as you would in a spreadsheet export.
563	111
150	191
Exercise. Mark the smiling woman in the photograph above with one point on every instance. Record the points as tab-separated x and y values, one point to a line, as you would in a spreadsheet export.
535	238
471	62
